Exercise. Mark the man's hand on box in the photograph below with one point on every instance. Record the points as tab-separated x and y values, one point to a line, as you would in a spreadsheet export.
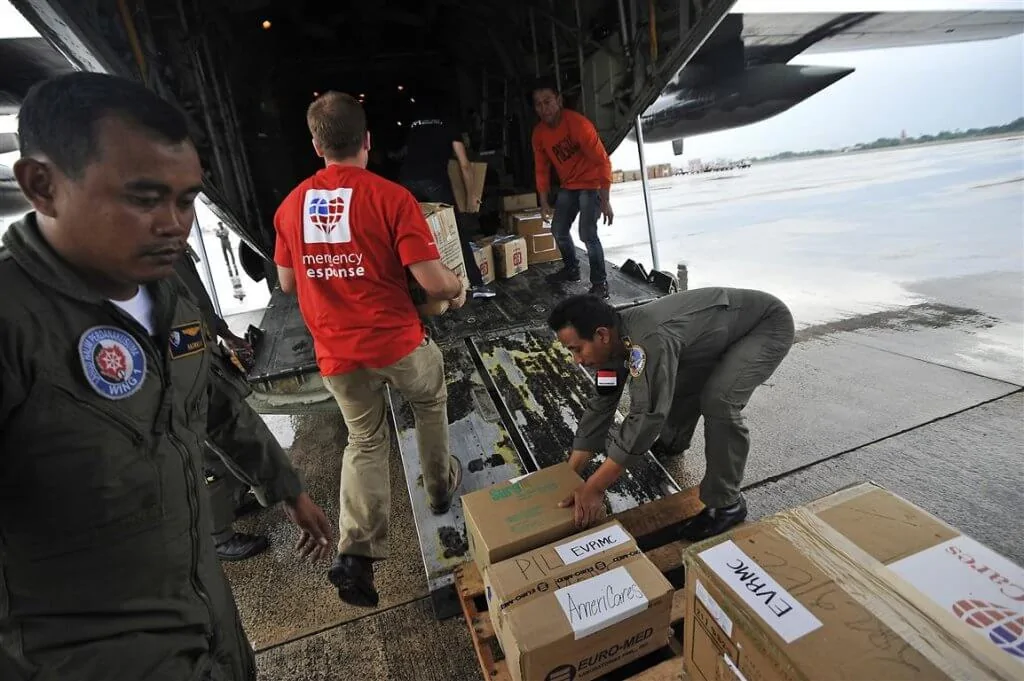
588	504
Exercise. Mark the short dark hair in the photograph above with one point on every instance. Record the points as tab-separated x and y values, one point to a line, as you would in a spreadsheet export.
337	123
59	117
543	83
585	313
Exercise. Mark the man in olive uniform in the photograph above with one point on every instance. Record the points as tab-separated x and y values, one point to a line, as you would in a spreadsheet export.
106	565
689	354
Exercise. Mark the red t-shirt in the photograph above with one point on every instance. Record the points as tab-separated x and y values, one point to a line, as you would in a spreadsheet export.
349	235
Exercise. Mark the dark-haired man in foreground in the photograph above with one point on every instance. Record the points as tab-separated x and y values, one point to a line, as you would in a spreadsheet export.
106	565
689	354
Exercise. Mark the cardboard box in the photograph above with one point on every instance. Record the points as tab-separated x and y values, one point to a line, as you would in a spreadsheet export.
858	585
517	202
467	202
579	607
510	256
540	242
483	253
441	218
519	515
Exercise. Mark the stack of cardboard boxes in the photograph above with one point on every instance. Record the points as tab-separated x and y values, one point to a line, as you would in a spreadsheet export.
521	216
525	239
859	585
563	605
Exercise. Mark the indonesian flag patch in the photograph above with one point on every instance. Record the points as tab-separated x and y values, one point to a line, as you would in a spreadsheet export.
607	378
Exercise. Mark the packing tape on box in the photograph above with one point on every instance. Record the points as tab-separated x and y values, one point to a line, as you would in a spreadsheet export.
948	644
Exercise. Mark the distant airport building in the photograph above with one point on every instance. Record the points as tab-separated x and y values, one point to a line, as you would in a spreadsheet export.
653	172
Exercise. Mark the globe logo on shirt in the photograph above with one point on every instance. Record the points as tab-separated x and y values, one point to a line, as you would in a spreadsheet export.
326	213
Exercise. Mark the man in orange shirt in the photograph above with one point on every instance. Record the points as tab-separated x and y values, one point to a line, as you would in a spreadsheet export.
569	141
345	239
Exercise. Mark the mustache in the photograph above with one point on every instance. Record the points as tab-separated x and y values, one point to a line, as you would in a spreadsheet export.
166	248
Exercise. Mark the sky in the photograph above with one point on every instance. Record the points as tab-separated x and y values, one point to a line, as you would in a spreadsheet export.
917	89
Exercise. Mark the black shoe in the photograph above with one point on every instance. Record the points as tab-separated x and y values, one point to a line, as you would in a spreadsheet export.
713	521
482	292
353	575
564	275
599	290
241	546
441	507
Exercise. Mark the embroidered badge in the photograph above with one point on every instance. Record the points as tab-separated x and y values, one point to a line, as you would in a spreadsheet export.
113	361
185	340
637	360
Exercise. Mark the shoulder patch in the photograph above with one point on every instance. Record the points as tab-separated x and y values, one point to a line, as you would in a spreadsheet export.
637	360
113	362
186	339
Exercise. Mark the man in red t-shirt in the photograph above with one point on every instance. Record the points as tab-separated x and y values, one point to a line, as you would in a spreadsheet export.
346	241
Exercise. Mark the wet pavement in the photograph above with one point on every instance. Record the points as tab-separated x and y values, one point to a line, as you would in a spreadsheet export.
904	270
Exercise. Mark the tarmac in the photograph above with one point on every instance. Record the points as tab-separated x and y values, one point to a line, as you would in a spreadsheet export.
919	389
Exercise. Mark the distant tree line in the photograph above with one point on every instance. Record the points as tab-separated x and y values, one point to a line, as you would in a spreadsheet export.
886	142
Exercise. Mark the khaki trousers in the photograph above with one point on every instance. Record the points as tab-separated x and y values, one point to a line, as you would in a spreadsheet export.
365	471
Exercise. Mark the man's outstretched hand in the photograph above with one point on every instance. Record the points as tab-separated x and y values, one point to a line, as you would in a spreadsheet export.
314	529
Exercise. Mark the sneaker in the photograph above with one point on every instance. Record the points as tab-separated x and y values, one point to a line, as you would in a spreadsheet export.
482	292
564	275
241	546
599	290
713	521
353	575
455	480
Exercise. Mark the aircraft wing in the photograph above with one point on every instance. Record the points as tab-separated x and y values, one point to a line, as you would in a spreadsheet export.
23	62
777	38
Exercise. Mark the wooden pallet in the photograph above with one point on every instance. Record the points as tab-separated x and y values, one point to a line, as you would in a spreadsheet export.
651	525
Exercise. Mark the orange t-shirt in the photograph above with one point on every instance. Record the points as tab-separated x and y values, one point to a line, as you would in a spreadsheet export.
576	151
349	235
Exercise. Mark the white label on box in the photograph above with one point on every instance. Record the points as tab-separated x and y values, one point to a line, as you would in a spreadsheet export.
595	542
714	609
599	602
976	585
755	587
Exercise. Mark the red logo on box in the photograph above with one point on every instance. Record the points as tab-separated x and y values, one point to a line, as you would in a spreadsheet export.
517	258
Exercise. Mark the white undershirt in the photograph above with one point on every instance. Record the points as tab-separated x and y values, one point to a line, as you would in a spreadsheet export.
140	307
